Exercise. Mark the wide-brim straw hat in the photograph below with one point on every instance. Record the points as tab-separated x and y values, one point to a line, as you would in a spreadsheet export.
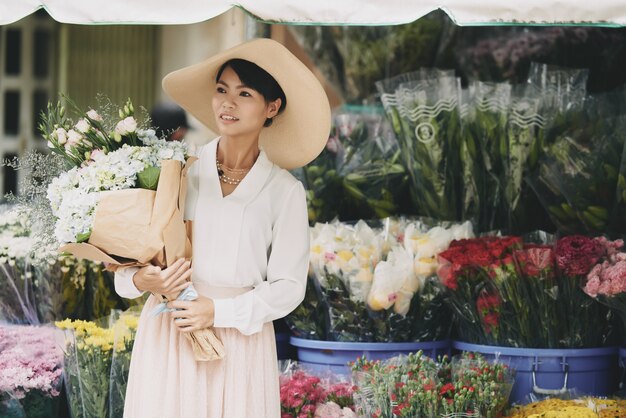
298	134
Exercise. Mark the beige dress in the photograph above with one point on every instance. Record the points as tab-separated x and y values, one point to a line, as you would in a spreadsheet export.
255	238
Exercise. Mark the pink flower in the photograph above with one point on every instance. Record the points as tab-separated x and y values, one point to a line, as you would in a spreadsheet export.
30	359
577	254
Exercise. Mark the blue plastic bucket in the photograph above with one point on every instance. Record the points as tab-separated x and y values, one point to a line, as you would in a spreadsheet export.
541	371
622	367
335	356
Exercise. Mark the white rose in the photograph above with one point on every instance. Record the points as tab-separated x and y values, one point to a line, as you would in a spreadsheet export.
126	126
50	144
82	126
61	135
94	115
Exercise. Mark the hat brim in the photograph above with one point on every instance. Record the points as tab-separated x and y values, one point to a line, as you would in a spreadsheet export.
298	134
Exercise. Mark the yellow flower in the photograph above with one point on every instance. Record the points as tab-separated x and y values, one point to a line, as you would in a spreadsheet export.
425	266
345	255
131	321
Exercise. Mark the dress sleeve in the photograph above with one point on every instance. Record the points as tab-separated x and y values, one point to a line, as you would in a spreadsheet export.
124	285
287	269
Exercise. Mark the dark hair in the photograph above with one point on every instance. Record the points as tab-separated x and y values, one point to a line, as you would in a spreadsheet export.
258	79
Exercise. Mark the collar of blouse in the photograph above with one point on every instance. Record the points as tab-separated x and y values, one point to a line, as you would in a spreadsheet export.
249	187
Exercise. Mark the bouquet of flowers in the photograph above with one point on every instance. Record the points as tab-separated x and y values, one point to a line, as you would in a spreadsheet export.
17	297
606	282
577	178
374	284
124	330
464	269
417	386
484	130
406	298
424	110
43	286
89	352
90	201
343	259
303	395
358	175
31	368
575	258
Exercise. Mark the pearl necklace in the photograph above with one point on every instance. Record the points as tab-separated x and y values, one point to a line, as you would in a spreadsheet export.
221	171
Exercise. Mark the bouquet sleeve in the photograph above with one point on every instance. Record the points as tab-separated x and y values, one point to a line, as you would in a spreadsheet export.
136	227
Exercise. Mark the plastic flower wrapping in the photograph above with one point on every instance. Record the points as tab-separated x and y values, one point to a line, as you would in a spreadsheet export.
94	353
424	110
304	394
124	330
418	386
507	292
31	371
375	284
606	282
43	286
359	174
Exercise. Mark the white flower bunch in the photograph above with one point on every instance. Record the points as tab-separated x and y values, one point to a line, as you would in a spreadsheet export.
15	248
14	223
407	267
74	194
349	252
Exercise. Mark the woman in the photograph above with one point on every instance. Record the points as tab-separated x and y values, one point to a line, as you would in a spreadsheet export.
250	237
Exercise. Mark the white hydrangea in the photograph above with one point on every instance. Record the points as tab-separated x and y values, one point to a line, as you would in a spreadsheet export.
74	195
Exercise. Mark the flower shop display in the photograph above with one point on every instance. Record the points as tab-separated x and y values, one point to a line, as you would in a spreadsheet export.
501	289
416	385
31	369
371	288
90	350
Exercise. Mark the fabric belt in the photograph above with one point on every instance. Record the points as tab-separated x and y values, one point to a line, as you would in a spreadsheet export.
217	292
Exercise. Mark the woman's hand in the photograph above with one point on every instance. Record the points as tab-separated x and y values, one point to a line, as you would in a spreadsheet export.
169	282
193	315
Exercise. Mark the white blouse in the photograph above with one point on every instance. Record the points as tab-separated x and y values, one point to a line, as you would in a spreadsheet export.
258	236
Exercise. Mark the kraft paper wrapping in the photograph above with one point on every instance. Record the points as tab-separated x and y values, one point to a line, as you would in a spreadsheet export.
137	227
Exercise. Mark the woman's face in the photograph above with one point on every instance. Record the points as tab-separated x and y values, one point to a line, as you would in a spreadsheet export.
240	110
